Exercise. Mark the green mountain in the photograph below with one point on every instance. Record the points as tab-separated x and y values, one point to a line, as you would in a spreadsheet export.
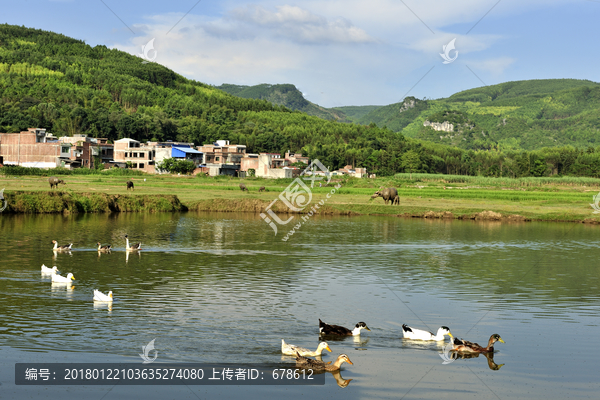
286	95
513	115
355	113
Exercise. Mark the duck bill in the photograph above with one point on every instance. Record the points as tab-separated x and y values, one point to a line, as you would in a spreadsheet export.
349	362
327	348
72	278
367	328
451	335
501	341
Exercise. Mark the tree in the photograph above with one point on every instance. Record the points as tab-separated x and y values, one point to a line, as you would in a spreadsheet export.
411	161
175	166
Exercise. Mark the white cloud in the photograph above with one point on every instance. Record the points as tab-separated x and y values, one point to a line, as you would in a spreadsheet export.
341	51
495	66
296	24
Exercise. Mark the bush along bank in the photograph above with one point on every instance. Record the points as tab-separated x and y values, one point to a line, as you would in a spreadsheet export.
71	202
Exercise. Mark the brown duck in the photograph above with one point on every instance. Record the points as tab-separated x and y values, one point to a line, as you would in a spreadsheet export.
309	363
470	347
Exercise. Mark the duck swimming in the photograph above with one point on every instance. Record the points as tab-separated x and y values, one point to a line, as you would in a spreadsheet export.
99	296
470	347
104	249
309	363
418	334
63	279
135	247
66	247
326	329
291	350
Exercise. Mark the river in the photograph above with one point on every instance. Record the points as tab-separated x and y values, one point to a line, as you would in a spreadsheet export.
222	288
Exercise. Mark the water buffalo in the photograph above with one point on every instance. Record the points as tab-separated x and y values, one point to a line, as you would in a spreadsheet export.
262	189
130	185
388	194
54	181
243	187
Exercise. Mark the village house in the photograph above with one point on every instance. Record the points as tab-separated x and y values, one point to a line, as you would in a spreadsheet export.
177	150
33	148
267	165
141	156
85	151
222	158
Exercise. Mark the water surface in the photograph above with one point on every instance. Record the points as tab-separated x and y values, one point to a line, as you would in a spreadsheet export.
223	288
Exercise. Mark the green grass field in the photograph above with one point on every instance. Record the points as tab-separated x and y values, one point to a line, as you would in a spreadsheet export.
562	199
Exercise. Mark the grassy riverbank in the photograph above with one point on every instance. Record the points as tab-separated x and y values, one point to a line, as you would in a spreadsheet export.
433	196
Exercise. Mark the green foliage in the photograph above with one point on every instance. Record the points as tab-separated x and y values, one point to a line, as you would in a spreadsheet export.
13	170
251	172
513	115
411	161
285	95
176	166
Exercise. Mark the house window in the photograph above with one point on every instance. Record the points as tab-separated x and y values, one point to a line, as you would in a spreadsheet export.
65	149
217	158
141	165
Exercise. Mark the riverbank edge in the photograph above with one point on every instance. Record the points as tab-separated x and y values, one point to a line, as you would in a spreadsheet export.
65	202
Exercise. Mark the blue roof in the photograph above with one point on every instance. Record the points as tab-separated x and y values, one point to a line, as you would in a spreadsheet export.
184	150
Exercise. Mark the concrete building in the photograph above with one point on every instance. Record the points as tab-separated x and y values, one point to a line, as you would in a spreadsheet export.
33	148
85	150
296	157
267	165
140	155
222	158
181	151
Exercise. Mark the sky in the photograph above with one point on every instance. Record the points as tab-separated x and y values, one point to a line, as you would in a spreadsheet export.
339	52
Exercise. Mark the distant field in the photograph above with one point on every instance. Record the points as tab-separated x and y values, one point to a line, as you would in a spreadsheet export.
563	199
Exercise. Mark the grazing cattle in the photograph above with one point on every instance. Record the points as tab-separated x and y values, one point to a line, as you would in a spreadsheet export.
129	185
54	181
243	187
388	194
262	189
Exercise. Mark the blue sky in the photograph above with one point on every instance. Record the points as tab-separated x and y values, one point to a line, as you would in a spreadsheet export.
340	52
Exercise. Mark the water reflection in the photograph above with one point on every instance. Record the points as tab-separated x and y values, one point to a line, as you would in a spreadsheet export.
56	253
139	254
489	356
341	382
62	290
103	305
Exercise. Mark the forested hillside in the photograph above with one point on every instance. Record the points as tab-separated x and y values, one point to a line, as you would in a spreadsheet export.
51	81
524	115
286	95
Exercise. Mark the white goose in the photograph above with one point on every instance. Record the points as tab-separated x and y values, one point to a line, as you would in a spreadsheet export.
418	334
49	271
135	247
99	296
293	350
63	279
